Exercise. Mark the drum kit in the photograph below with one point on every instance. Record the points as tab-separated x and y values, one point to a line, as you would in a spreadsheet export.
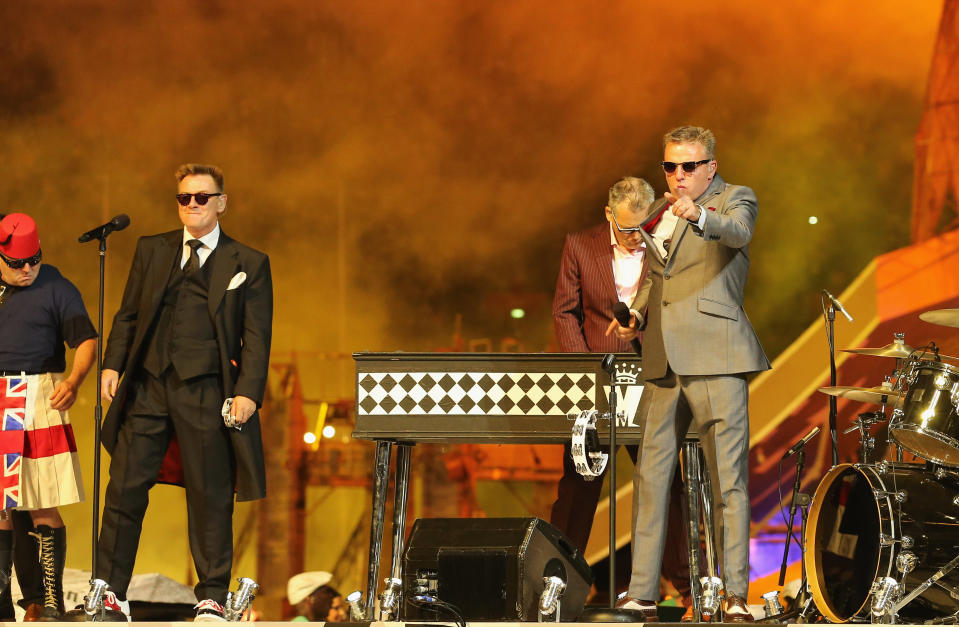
882	539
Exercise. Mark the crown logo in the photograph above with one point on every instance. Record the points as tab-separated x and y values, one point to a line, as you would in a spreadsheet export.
627	373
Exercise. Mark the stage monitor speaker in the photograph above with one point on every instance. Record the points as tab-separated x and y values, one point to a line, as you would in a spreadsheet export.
491	569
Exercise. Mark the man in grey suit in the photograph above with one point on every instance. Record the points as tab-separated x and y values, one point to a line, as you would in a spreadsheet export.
698	348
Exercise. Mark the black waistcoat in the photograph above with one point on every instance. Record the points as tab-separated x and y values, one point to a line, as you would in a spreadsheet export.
184	335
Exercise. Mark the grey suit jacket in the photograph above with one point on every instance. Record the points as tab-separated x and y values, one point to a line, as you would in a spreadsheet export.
691	304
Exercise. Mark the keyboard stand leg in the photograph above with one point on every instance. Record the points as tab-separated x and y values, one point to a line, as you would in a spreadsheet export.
381	479
400	494
709	527
691	467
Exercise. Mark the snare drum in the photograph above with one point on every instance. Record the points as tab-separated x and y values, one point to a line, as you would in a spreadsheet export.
927	422
868	522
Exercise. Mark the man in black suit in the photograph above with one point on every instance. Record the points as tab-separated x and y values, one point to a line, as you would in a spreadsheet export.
193	330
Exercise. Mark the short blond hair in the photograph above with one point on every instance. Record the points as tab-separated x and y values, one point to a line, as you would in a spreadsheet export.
194	169
631	193
692	135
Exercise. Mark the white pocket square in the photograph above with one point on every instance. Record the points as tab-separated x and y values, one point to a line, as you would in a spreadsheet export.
237	280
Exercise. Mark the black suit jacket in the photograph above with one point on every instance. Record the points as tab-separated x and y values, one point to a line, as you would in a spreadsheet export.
243	319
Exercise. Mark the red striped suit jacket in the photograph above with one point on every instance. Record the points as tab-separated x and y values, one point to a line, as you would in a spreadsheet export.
585	293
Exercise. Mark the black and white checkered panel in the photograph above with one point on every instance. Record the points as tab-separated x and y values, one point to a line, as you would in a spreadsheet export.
475	393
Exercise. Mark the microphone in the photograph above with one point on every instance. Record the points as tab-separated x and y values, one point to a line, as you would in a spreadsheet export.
801	443
837	305
118	223
622	315
609	363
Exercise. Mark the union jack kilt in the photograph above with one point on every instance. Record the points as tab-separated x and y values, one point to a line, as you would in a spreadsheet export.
40	463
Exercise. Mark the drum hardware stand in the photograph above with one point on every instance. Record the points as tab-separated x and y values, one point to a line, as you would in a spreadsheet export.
885	593
864	423
893	610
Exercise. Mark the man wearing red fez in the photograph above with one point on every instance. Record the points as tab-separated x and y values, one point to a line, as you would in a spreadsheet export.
187	359
40	312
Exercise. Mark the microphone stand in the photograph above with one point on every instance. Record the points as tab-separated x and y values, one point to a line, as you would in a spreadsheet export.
802	500
833	410
609	363
98	408
800	462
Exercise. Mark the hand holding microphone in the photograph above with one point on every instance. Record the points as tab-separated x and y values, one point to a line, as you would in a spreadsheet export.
625	331
624	318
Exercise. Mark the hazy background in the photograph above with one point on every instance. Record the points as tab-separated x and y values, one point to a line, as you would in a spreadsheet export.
406	162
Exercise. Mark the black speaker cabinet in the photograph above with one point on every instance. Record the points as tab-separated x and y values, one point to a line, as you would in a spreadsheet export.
491	569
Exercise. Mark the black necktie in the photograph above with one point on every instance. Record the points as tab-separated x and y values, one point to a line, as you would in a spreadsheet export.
193	263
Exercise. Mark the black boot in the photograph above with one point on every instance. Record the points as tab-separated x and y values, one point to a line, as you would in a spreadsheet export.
26	563
6	563
53	556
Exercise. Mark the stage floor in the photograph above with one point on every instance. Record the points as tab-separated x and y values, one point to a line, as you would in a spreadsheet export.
403	624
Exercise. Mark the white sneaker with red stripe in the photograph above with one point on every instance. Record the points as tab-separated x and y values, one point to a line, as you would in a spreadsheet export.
114	610
208	610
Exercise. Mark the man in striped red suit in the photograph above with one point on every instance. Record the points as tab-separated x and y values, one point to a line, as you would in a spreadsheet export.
600	266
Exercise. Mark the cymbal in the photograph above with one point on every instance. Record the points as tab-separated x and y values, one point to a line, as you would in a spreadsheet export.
899	350
944	317
877	395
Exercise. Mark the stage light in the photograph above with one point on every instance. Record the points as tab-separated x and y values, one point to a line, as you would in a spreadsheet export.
309	437
813	220
517	313
329	431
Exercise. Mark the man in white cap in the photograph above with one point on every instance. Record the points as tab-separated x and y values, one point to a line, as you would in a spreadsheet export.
40	312
314	599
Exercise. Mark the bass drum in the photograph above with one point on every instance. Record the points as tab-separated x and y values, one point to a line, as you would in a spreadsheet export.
873	521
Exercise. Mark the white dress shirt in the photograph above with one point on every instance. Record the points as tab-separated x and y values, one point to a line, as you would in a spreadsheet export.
209	242
627	268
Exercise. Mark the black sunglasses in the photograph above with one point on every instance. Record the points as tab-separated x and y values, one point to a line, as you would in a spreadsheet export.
16	264
688	166
633	229
201	198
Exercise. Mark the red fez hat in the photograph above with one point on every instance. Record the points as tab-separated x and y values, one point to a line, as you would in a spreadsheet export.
18	236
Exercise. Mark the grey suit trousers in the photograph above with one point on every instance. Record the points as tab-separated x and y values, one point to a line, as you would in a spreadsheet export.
716	405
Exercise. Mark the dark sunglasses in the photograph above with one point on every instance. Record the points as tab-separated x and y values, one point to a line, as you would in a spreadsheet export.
201	198
634	229
16	264
688	166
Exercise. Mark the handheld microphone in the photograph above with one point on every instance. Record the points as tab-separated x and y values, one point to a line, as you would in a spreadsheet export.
801	443
837	305
622	315
118	223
